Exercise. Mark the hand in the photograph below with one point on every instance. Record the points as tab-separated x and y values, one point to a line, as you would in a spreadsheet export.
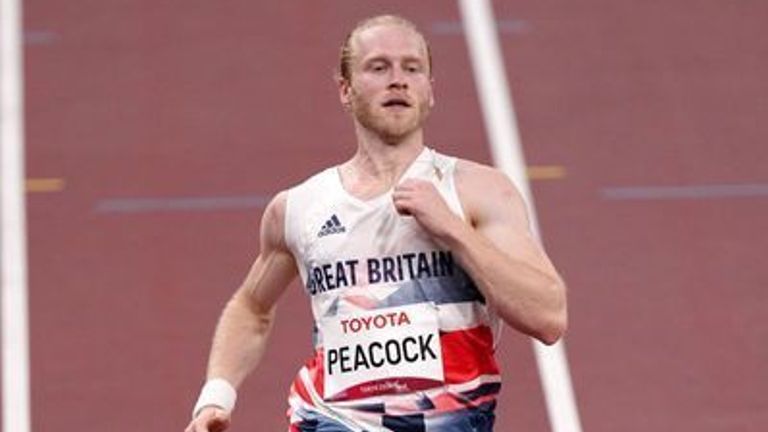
210	419
420	199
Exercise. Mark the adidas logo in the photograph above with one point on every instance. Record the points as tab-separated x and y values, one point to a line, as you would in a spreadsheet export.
331	226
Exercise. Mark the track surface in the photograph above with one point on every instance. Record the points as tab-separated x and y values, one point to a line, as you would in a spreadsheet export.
174	100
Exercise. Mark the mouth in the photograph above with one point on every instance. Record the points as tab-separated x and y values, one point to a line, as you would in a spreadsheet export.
396	102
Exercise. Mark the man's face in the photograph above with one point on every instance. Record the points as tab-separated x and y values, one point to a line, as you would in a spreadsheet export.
390	89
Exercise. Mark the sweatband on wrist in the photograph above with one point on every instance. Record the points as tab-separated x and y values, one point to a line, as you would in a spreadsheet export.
216	392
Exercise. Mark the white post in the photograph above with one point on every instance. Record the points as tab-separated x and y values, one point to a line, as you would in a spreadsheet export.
501	126
13	254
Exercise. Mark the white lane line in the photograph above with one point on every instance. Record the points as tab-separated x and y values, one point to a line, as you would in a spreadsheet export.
13	254
500	122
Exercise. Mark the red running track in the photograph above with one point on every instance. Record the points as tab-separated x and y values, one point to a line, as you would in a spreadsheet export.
189	99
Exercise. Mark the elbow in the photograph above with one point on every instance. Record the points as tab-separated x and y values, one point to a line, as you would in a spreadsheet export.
257	316
262	319
553	327
552	332
547	329
545	319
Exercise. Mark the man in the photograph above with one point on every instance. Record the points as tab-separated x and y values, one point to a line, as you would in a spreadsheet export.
408	257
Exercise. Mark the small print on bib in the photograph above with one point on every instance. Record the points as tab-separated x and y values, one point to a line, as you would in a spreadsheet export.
383	351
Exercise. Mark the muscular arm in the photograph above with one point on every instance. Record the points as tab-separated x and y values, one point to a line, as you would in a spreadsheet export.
496	248
241	334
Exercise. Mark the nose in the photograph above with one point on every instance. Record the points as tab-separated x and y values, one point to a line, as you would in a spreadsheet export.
398	80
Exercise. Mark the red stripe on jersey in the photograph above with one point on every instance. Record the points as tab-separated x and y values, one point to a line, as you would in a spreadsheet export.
468	354
316	369
300	389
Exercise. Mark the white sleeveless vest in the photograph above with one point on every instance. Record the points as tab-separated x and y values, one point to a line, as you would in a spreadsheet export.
403	321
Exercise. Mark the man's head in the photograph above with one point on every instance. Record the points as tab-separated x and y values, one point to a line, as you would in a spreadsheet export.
385	77
345	56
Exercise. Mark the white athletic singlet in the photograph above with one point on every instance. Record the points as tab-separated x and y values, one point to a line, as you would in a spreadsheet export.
400	329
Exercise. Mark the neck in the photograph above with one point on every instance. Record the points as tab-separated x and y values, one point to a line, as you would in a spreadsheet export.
378	164
385	159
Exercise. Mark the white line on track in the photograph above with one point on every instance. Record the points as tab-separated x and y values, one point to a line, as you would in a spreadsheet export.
501	125
13	254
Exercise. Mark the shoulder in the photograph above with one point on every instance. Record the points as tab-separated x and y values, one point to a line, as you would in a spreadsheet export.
273	221
276	205
472	178
474	174
485	190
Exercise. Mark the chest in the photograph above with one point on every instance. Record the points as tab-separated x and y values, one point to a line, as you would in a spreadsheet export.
341	230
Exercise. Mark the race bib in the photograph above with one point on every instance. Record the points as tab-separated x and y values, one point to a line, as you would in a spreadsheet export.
383	351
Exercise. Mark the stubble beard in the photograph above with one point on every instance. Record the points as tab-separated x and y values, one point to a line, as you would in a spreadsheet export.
391	127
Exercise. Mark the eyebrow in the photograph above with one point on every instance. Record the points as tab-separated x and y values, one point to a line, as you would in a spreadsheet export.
404	59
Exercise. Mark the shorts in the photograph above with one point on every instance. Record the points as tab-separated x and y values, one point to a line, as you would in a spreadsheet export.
478	419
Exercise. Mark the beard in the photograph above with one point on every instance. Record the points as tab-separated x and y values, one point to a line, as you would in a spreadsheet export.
392	126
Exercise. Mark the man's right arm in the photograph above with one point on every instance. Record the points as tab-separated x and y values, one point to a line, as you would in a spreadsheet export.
244	326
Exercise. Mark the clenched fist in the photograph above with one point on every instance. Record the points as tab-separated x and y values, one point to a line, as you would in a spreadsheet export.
420	199
210	419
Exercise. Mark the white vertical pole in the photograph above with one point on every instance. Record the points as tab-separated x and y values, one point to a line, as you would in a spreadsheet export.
501	126
13	254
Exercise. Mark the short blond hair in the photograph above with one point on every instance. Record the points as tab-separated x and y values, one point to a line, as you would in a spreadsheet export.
345	57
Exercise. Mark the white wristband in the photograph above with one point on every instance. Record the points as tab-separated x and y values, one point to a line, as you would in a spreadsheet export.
216	392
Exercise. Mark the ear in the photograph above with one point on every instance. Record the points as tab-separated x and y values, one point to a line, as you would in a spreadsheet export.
431	92
345	92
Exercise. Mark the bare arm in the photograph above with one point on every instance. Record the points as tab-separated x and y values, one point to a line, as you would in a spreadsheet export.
241	334
244	326
496	248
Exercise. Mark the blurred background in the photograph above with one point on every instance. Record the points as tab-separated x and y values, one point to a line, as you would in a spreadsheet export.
156	131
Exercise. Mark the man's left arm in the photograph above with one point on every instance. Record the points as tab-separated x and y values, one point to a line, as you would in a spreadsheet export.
495	246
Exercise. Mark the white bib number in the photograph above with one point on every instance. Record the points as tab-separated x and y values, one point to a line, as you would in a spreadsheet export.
383	351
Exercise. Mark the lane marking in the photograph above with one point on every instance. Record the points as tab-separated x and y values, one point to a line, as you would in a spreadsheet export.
55	184
173	204
13	241
39	185
711	191
501	125
40	37
546	172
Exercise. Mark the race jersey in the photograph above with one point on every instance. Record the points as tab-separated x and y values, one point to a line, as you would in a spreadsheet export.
401	332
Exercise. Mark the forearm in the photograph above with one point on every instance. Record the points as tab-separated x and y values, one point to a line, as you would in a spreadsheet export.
239	341
523	288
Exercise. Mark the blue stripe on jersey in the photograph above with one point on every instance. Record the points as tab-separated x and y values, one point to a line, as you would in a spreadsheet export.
314	422
478	419
437	290
370	407
405	423
485	389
